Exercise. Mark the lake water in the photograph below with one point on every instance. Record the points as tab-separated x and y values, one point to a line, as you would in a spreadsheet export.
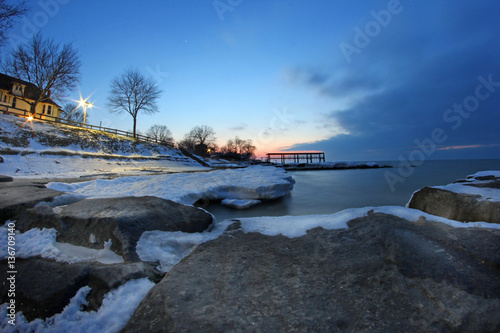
329	191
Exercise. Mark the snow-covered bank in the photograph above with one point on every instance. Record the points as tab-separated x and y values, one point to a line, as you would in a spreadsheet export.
254	182
60	151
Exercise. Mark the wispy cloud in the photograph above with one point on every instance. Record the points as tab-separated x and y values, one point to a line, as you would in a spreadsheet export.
239	127
467	147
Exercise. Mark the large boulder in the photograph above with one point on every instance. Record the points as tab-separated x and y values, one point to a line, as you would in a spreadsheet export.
468	200
91	222
383	274
455	206
45	287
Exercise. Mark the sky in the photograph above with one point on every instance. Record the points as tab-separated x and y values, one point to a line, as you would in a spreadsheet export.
360	80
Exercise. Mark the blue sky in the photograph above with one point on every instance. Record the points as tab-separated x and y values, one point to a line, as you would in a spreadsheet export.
369	80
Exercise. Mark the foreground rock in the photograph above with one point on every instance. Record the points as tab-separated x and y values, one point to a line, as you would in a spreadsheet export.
19	195
473	199
92	222
383	274
45	287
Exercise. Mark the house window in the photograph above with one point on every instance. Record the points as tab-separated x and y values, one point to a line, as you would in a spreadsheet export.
49	110
14	102
43	109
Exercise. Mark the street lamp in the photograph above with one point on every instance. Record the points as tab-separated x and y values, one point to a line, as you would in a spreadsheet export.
84	105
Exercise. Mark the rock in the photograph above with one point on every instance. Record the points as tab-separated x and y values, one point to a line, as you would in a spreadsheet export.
383	274
240	203
92	222
19	195
6	179
45	287
455	206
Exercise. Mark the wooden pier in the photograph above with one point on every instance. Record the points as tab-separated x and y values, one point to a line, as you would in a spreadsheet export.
300	157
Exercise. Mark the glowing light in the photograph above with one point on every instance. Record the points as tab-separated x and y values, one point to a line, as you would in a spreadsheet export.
29	119
82	103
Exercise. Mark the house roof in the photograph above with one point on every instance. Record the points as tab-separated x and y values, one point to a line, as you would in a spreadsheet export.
31	91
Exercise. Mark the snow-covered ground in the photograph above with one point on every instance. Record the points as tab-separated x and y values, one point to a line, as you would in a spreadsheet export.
58	151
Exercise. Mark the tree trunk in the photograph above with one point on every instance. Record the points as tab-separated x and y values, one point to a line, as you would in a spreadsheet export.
135	124
32	109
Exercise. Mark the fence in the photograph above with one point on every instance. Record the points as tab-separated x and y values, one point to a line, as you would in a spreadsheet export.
44	117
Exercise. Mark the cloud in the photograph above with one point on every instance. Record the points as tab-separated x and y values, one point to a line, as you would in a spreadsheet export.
401	85
239	127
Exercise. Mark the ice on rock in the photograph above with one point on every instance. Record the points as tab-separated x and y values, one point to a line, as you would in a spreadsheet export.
240	203
253	182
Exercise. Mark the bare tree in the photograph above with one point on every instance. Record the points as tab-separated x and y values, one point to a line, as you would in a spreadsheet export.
161	134
239	148
188	143
132	92
53	69
8	13
203	135
72	113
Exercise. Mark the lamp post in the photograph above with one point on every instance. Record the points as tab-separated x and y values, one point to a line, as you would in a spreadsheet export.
84	105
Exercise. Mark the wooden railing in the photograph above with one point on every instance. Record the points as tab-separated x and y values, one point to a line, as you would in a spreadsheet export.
44	117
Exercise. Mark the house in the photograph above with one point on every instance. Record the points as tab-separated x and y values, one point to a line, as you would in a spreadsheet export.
14	92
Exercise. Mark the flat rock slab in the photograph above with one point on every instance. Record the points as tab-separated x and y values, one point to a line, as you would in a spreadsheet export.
91	222
383	274
45	287
19	195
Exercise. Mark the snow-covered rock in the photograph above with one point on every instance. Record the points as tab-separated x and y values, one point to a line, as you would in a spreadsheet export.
477	198
92	223
374	273
253	182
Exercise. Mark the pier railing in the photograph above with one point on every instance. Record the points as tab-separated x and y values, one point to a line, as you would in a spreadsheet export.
300	157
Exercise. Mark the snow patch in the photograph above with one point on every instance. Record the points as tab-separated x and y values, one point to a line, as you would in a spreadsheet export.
36	242
484	193
488	194
117	307
297	226
169	248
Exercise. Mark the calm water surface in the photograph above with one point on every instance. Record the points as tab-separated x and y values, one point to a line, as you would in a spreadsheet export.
329	191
